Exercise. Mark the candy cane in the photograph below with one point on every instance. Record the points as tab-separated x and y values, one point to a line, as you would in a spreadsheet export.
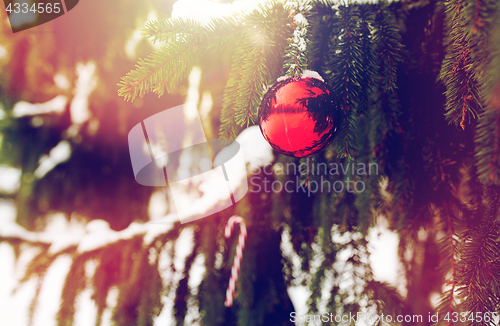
239	254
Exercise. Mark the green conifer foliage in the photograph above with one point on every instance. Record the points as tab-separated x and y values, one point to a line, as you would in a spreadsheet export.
418	85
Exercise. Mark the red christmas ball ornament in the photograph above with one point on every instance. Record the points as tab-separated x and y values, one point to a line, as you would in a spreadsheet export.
298	117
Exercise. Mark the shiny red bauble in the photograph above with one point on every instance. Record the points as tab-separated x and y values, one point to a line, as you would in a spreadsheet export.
298	117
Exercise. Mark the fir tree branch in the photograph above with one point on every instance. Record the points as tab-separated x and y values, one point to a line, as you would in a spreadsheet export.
165	69
448	255
228	128
387	298
256	52
255	74
244	89
345	62
369	63
173	30
295	55
388	47
385	111
487	138
479	268
322	21
74	284
487	147
160	71
459	70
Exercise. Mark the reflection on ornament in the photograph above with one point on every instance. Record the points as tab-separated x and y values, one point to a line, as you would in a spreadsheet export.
298	116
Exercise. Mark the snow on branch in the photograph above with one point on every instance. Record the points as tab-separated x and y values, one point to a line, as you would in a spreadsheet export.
97	234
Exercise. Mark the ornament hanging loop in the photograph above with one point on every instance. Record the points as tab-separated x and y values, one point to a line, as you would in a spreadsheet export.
239	254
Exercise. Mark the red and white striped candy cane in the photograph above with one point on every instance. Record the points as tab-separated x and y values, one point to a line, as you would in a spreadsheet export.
239	254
